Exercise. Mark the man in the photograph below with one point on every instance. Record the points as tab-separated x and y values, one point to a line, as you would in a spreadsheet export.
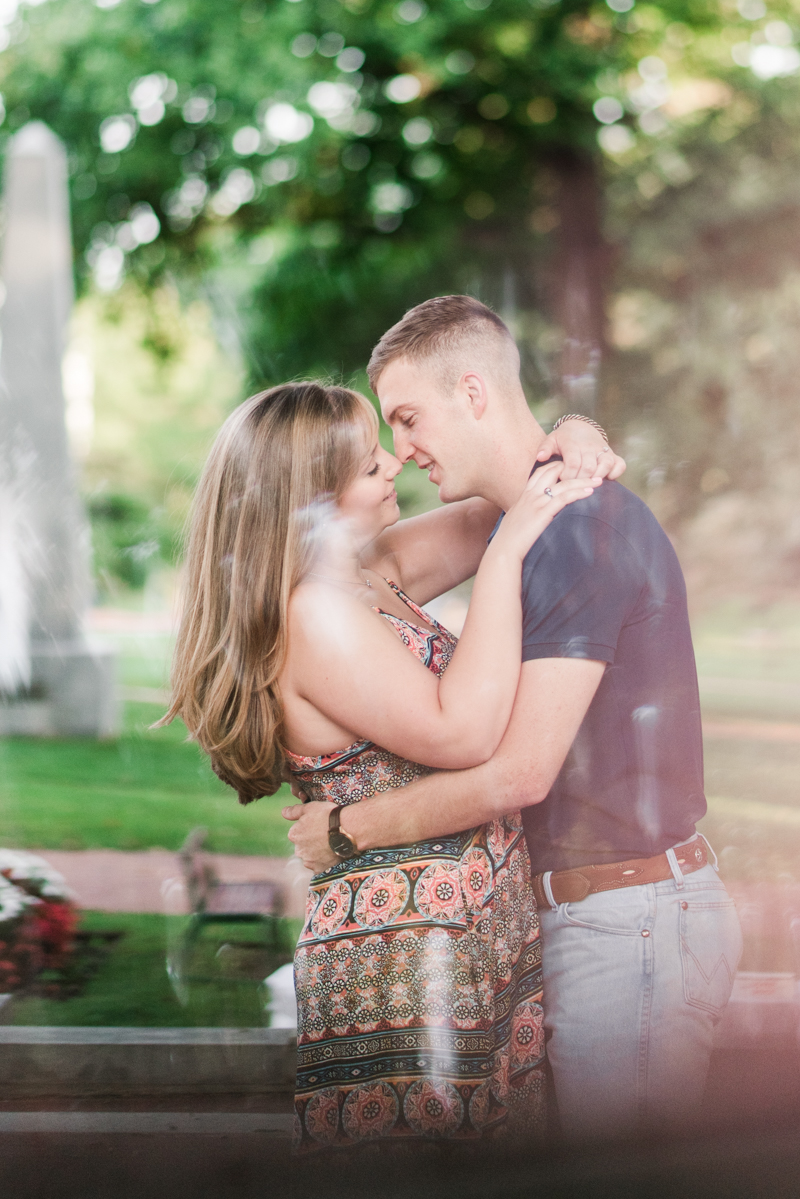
603	751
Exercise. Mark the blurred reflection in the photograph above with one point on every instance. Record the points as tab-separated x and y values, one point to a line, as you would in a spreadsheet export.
748	664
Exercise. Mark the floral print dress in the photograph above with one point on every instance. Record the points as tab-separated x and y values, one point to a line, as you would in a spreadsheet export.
418	970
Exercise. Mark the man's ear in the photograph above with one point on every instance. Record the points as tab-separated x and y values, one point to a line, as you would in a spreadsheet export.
475	392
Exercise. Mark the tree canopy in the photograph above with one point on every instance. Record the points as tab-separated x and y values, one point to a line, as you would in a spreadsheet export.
615	171
341	160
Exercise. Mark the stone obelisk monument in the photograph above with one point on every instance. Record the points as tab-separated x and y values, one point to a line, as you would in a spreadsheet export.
53	681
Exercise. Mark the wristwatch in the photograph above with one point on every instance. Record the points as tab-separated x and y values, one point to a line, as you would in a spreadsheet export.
343	846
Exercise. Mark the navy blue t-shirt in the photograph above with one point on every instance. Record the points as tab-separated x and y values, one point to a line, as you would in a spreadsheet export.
603	582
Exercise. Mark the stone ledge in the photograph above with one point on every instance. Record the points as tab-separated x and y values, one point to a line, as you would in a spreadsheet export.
147	1123
34	1034
93	1061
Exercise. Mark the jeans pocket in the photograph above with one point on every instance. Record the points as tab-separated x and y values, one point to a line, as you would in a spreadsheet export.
711	946
623	912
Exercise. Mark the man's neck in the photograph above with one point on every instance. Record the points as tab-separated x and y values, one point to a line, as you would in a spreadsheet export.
513	462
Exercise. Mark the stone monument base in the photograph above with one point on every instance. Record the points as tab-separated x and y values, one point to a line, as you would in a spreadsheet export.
72	693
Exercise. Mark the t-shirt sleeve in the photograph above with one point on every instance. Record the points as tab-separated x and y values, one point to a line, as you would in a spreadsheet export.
580	583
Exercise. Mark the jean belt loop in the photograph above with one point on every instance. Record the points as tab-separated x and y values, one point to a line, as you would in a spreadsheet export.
712	855
548	890
677	873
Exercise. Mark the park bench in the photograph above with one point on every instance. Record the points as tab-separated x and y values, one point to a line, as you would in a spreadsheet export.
214	901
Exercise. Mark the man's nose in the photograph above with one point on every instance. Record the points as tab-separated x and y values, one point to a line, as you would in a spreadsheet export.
403	448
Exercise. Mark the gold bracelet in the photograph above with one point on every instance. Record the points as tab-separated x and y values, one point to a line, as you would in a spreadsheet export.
587	420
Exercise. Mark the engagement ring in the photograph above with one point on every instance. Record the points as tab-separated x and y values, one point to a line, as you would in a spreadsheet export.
548	493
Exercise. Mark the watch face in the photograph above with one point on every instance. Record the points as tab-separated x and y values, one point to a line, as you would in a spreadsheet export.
341	844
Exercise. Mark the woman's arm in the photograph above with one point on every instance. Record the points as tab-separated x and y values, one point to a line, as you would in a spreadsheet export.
553	698
353	668
432	553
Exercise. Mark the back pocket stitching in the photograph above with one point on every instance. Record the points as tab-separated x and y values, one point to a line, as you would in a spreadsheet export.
721	962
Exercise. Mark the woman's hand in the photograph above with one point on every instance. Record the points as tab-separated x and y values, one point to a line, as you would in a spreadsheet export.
544	496
585	452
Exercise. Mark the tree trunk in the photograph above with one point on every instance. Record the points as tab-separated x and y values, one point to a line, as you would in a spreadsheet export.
579	278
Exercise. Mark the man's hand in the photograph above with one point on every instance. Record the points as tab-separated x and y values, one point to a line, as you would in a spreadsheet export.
296	788
584	452
309	834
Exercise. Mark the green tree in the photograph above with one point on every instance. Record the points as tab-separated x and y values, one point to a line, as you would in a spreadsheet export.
391	149
319	166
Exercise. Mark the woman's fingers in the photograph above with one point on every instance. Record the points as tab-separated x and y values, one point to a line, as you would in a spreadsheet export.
543	498
601	463
574	459
545	476
569	490
592	465
544	508
607	464
545	494
619	467
548	447
571	462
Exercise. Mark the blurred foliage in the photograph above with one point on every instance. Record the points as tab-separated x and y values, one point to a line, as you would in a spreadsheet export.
341	127
314	167
161	387
132	989
122	537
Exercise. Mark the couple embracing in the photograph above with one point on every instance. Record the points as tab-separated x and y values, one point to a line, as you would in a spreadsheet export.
507	867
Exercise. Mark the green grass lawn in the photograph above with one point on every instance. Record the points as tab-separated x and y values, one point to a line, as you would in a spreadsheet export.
146	788
149	787
131	988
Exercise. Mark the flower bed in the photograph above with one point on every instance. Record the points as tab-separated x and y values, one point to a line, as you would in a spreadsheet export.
37	919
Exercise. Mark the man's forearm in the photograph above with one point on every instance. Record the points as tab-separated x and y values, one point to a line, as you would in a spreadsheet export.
553	697
434	806
552	700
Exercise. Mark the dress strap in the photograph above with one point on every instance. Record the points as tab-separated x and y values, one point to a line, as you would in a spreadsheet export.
415	608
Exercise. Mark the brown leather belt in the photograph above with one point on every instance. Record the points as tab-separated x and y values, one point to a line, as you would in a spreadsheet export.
570	886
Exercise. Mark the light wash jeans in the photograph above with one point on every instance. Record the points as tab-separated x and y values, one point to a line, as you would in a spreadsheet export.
635	981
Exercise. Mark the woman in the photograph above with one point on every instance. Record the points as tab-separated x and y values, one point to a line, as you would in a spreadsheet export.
417	971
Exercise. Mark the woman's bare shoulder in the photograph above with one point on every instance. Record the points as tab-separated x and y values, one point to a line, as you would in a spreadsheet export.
317	610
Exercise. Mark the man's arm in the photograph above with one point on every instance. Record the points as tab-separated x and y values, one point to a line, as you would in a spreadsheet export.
552	699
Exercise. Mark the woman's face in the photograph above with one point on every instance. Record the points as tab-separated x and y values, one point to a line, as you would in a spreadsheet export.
370	502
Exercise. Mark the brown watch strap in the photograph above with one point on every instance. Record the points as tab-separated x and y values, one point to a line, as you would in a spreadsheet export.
336	832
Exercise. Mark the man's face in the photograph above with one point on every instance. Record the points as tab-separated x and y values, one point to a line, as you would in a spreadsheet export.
434	429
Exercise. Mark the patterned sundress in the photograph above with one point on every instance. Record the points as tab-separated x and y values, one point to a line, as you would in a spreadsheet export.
418	970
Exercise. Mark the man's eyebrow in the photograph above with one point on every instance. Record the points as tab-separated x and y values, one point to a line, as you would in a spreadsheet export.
392	413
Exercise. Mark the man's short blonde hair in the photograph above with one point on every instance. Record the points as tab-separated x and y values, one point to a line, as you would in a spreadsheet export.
440	331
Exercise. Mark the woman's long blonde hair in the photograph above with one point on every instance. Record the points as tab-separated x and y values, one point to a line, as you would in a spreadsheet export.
255	523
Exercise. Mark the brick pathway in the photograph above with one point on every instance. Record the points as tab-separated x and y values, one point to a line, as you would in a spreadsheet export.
112	880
